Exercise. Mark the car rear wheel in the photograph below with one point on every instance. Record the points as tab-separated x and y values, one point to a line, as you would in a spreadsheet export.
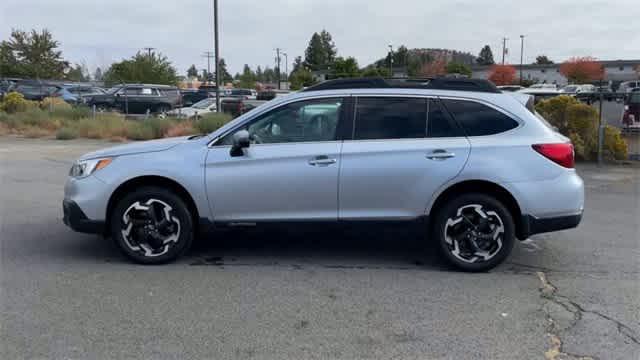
152	226
475	232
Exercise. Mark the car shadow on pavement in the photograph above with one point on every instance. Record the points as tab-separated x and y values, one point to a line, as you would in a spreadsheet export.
350	248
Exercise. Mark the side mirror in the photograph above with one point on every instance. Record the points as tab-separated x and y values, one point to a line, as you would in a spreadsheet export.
240	141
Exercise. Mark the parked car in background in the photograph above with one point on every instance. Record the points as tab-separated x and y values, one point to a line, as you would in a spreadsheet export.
200	108
578	89
236	106
432	155
631	115
627	86
540	94
544	86
193	96
511	88
247	94
272	94
138	99
77	94
34	90
606	91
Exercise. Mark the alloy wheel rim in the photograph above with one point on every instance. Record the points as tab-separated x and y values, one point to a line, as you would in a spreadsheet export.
150	228
474	234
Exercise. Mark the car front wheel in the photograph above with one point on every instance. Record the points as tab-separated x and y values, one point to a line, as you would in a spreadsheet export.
475	232
152	226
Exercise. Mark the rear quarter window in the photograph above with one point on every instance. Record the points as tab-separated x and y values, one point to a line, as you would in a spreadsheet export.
478	119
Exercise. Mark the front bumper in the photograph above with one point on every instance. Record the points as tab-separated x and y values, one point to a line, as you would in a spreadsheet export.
78	221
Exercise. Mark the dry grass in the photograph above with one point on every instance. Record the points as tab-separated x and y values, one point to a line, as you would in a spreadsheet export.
33	132
4	129
184	128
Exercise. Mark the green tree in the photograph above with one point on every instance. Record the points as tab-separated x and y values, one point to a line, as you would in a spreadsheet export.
486	56
543	60
259	74
346	67
301	78
192	72
77	73
315	55
373	71
32	54
329	46
144	68
248	78
225	77
97	75
458	68
297	64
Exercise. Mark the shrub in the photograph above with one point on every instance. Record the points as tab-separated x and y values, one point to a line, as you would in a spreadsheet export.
579	122
140	131
614	145
15	102
212	122
158	126
71	113
104	127
66	133
54	103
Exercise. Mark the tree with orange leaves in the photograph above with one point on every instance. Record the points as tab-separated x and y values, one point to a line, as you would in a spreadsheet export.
502	74
434	68
580	70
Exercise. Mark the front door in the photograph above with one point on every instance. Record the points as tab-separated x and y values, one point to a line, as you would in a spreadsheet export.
289	172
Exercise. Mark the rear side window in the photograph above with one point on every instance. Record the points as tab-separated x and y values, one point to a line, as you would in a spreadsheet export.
440	123
390	118
478	119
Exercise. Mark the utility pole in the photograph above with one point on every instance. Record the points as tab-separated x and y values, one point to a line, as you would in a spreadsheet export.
521	56
217	55
286	67
279	76
149	50
504	48
209	55
600	126
390	61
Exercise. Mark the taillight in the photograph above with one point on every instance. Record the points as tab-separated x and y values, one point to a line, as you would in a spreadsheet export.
561	153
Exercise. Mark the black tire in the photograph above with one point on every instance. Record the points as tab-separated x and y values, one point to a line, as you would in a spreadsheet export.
180	223
496	250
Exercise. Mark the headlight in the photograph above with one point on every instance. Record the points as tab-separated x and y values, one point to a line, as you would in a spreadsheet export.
84	168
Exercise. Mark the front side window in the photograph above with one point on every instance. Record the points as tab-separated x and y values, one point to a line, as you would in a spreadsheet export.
478	119
304	121
390	118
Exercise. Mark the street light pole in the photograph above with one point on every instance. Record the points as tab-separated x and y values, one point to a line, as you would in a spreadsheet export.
504	48
521	56
217	55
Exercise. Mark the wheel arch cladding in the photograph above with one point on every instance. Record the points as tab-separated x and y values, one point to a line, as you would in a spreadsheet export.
487	188
152	181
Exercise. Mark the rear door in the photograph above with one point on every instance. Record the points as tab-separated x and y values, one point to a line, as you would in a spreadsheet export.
402	150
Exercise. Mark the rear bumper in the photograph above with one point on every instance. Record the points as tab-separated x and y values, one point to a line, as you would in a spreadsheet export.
532	225
78	221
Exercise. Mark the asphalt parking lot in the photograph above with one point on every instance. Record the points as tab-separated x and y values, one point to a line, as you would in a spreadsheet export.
360	294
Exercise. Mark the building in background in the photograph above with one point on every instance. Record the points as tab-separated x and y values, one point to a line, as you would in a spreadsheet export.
616	71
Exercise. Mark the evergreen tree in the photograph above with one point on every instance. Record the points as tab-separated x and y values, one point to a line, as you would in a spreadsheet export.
486	56
192	72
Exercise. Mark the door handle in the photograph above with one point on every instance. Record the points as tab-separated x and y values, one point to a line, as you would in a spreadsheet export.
440	155
322	160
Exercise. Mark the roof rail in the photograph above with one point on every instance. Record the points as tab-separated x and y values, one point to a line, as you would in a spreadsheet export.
440	83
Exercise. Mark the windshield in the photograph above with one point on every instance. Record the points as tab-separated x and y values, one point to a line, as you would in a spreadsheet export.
634	98
203	104
113	90
570	89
